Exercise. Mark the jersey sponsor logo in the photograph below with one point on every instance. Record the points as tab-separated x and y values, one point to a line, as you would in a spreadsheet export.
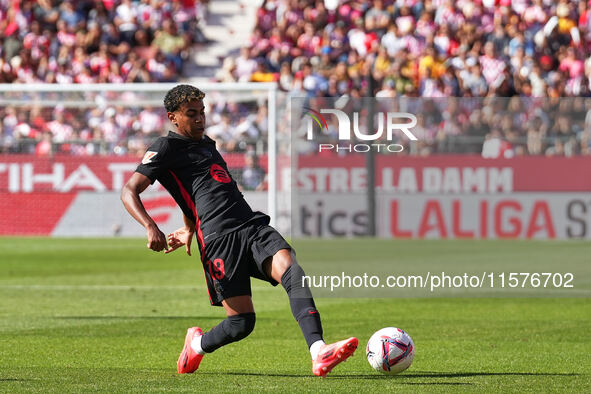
219	174
148	157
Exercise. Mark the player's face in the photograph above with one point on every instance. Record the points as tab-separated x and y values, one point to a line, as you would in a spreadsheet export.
189	119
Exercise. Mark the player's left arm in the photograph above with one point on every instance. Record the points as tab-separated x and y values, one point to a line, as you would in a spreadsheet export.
182	236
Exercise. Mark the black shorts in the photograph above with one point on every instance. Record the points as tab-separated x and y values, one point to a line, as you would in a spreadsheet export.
232	259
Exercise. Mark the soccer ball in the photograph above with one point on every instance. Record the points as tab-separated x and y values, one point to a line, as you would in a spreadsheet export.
390	350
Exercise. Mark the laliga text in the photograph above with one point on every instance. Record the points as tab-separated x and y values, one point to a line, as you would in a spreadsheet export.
442	280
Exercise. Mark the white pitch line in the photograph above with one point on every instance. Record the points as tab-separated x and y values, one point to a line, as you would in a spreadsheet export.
109	287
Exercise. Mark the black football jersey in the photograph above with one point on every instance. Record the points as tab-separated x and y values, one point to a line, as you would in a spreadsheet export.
197	177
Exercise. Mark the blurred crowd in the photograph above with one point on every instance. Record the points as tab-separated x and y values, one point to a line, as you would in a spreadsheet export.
492	127
436	49
121	130
315	49
89	41
430	48
45	131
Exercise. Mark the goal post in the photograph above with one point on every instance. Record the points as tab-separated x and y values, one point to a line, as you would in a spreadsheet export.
241	101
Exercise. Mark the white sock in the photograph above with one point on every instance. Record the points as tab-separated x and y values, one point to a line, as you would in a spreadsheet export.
315	348
196	345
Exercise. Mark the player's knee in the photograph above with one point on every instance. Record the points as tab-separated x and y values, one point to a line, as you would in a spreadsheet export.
241	325
293	274
282	261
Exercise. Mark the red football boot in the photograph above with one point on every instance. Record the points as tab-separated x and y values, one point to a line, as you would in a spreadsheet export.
189	360
333	354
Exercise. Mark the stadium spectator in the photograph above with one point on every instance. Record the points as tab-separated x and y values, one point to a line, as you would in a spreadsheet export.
253	176
245	66
496	147
73	18
222	130
126	20
134	70
506	48
60	130
170	43
40	39
150	122
43	148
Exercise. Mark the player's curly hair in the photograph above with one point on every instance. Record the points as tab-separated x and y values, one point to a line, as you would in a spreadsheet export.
181	94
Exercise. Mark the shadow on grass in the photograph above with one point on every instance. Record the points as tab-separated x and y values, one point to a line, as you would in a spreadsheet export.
417	374
434	374
16	380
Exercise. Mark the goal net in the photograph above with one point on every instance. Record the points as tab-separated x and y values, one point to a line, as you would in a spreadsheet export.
66	151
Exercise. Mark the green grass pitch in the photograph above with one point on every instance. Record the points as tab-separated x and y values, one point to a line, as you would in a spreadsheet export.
109	315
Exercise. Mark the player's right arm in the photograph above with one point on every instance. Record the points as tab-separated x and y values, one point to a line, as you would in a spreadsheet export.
130	196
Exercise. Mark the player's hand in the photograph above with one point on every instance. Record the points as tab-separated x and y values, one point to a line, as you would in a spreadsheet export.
156	239
182	236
